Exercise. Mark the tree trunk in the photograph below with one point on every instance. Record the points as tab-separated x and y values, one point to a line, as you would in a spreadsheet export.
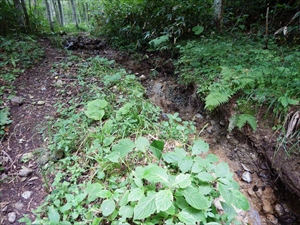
19	13
27	21
218	13
49	15
74	13
60	13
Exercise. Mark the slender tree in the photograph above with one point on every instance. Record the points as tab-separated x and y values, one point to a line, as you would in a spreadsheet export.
62	22
74	13
49	14
218	13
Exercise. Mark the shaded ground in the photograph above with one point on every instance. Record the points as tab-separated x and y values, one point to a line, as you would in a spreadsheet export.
24	139
271	204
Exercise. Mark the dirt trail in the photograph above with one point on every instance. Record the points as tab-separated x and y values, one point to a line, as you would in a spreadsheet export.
22	194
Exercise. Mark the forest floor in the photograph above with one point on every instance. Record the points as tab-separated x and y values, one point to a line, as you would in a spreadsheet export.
24	187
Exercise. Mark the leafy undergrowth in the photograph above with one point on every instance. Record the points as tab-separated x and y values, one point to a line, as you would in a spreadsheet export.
114	162
225	68
16	54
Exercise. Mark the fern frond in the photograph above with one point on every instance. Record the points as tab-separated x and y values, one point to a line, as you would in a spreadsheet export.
240	121
215	99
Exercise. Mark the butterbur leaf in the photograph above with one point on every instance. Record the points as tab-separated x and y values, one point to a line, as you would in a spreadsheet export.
145	207
199	147
107	207
95	109
92	190
156	174
123	147
53	215
163	200
195	198
198	30
142	144
156	148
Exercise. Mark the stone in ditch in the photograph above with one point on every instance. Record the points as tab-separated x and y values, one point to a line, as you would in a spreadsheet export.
143	77
246	177
11	217
41	103
27	194
25	172
16	100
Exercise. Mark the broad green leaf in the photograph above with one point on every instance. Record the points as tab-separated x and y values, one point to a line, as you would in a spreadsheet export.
229	210
240	201
212	158
222	170
123	111
198	30
145	207
108	126
206	177
136	194
95	109
113	157
92	190
108	141
66	207
142	144
213	223
156	147
170	157
205	189
185	164
65	223
155	174
125	212
199	147
123	147
97	221
107	207
182	180
195	198
225	193
53	215
164	200
187	218
124	198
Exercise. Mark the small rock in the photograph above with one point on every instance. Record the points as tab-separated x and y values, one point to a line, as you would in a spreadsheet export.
19	205
43	88
27	194
16	100
25	172
246	177
279	210
143	77
12	217
267	207
251	192
41	103
198	116
272	219
27	156
245	167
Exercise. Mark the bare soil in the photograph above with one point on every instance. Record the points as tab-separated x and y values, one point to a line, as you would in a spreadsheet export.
271	201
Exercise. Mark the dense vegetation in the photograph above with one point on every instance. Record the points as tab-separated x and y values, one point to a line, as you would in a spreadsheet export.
123	165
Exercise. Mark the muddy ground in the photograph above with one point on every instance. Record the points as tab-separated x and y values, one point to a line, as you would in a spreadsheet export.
245	152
